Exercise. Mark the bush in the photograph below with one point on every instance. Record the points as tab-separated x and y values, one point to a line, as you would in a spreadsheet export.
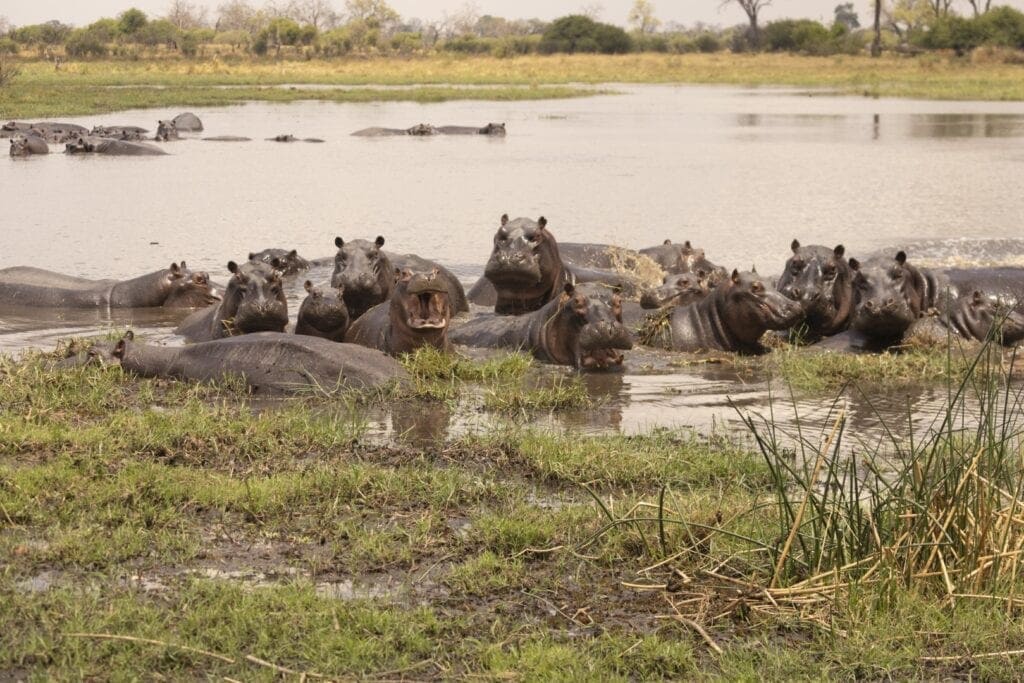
84	42
470	45
8	46
706	43
797	35
651	43
405	43
335	43
513	46
1002	27
577	33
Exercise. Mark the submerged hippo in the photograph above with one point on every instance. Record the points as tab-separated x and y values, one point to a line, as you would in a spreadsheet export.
417	314
28	145
57	133
292	138
266	361
582	327
419	130
367	273
1006	283
91	145
12	128
226	138
323	313
253	301
733	317
166	131
174	287
821	280
981	316
684	258
119	132
188	123
286	262
679	289
496	129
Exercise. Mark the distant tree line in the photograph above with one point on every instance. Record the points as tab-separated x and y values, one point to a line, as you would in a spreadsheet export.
317	28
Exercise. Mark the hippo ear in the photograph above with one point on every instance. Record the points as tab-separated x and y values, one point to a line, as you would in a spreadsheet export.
839	251
854	264
379	241
119	349
233	267
795	246
504	219
129	335
977	297
687	245
667	242
735	277
175	269
542	222
901	257
251	256
293	253
569	288
308	286
338	242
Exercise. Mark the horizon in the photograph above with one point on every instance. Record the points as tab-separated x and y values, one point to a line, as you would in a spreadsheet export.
26	12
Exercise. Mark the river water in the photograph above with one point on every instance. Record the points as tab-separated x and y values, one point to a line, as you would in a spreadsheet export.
738	171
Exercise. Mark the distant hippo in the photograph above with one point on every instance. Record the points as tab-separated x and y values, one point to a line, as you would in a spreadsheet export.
107	146
821	280
119	132
292	138
266	361
733	317
367	273
166	131
58	133
226	138
679	289
1006	283
495	129
282	260
187	123
418	314
12	128
419	130
582	327
253	301
28	145
684	258
174	287
323	313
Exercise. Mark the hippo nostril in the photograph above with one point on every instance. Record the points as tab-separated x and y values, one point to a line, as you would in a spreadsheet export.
797	292
890	302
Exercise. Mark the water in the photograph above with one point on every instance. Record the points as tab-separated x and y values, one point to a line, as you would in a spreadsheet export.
738	171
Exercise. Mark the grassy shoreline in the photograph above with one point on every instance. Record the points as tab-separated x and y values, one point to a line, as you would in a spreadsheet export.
101	86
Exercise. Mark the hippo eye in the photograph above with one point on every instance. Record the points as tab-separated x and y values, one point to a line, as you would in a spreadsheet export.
757	288
797	266
829	272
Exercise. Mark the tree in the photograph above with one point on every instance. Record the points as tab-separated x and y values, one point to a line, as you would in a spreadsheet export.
131	21
186	15
238	15
752	8
577	33
642	17
847	16
905	17
377	13
592	10
319	14
979	6
876	44
462	22
5	25
940	7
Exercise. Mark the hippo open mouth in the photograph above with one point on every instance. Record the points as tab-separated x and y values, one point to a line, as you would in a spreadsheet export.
601	359
427	312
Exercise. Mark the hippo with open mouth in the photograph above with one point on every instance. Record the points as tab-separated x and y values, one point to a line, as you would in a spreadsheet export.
418	314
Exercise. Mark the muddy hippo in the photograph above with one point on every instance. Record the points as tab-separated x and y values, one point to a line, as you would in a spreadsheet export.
581	327
821	280
367	273
282	260
525	267
323	313
119	132
496	129
28	145
227	138
253	301
978	315
418	314
733	317
684	258
188	123
266	361
91	145
678	289
174	287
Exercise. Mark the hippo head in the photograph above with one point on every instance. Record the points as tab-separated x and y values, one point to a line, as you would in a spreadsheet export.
186	289
821	280
587	331
683	258
19	147
261	304
421	310
78	145
749	308
421	129
887	297
166	130
365	273
525	258
324	311
493	129
282	260
980	317
676	290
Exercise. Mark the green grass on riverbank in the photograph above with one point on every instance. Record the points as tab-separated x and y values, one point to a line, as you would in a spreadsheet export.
85	87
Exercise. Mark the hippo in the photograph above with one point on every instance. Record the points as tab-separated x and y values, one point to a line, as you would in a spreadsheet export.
91	145
367	273
58	133
12	128
419	130
188	123
891	295
174	287
677	289
581	327
166	131
28	145
1006	283
733	317
418	314
119	132
980	316
323	313
683	258
525	267
253	301
268	362
821	280
226	138
282	260
495	129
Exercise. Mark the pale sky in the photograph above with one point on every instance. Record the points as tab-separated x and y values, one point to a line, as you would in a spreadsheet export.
80	12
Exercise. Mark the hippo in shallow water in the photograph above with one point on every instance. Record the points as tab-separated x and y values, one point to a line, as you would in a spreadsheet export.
253	301
174	287
495	129
582	327
12	128
266	361
677	289
166	131
821	280
525	267
286	262
119	132
418	314
28	145
226	138
91	145
733	317
978	315
57	133
890	295
1006	283
188	123
419	130
684	258
323	313
292	138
